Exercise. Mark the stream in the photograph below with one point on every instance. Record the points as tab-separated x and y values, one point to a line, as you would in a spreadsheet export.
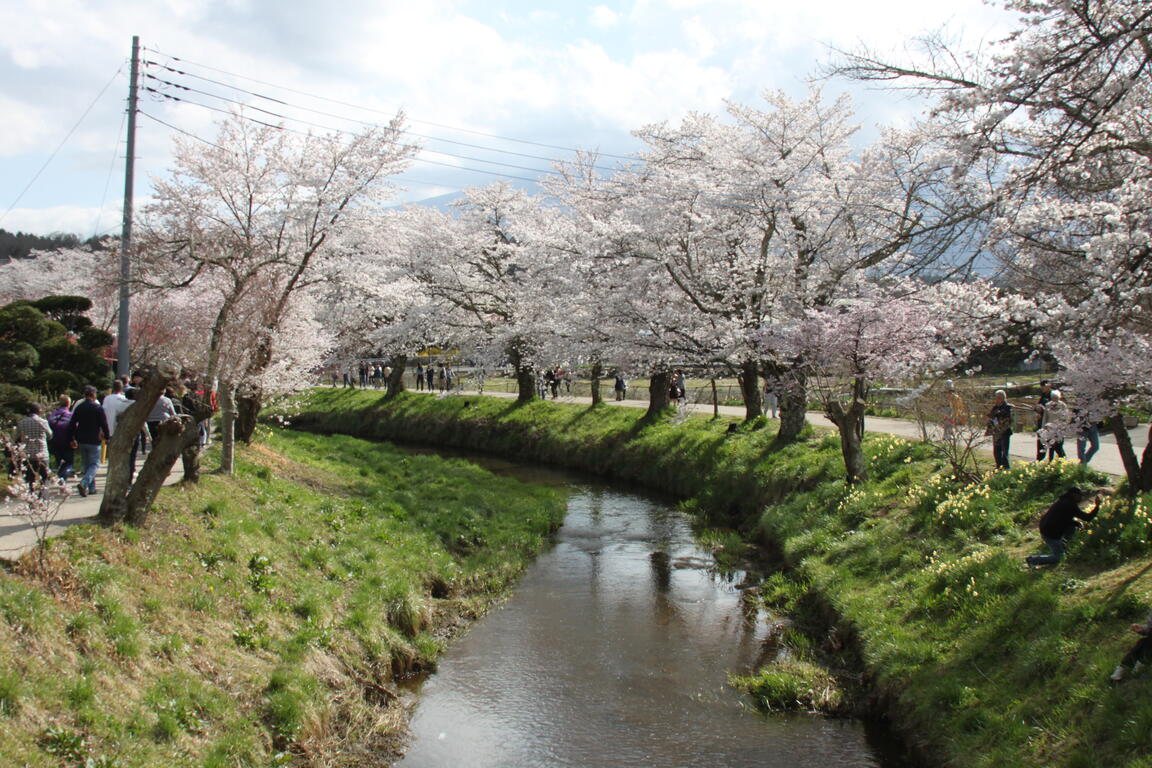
614	649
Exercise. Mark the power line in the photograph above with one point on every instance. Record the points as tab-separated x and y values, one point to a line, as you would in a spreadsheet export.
60	146
365	109
181	130
170	97
255	94
426	136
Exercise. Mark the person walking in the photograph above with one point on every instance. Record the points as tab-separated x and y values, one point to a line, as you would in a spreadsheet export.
955	414
114	404
1055	424
420	377
771	401
1088	438
161	412
87	430
33	432
60	445
1000	428
1041	404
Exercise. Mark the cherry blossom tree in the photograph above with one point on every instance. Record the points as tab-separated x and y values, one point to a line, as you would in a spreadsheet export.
491	267
755	220
252	215
1063	102
892	333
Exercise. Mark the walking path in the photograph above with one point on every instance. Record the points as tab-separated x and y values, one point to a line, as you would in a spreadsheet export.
1023	446
18	535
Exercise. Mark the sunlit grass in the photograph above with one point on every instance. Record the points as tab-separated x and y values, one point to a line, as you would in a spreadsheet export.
259	614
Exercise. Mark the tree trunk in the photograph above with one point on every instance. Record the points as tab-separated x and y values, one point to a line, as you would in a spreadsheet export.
248	413
792	393
715	400
396	380
118	484
1146	466
749	378
525	384
172	438
227	428
597	374
850	423
851	447
1137	482
200	410
658	394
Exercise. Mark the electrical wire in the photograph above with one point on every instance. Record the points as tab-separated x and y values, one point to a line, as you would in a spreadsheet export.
60	146
371	123
469	158
361	107
190	102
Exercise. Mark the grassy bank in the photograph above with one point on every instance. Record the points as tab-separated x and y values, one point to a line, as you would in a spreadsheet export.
979	661
260	620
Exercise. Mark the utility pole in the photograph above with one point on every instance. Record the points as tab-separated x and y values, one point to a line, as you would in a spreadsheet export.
123	364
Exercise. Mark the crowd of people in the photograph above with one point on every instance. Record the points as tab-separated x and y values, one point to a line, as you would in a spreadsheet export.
71	440
1054	421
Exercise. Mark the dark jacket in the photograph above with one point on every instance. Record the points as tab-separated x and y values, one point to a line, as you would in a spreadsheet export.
1063	518
61	422
89	426
1000	420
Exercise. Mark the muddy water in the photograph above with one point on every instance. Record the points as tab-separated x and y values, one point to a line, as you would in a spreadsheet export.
614	651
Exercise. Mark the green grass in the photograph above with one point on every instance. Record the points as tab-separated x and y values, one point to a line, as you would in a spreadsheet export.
982	661
261	615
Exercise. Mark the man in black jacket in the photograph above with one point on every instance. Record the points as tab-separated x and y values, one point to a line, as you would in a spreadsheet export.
1059	522
87	430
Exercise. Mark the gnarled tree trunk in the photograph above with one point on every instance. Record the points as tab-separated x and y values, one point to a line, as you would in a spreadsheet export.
227	428
597	374
119	483
399	364
749	377
850	423
792	392
248	408
658	400
172	437
201	411
1138	473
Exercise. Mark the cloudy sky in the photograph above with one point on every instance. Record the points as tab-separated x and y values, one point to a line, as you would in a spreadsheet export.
492	88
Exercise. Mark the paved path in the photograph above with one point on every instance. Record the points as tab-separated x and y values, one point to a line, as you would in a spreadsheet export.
18	535
1023	446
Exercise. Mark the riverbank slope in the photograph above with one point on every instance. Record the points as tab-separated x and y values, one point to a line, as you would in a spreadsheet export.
262	619
978	661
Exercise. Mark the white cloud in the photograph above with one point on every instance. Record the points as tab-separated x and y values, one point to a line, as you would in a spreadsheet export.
604	17
699	37
650	87
444	61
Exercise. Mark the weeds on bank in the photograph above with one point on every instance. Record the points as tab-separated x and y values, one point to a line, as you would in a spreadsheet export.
259	617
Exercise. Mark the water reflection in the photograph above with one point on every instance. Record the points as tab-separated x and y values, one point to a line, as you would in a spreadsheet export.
615	650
